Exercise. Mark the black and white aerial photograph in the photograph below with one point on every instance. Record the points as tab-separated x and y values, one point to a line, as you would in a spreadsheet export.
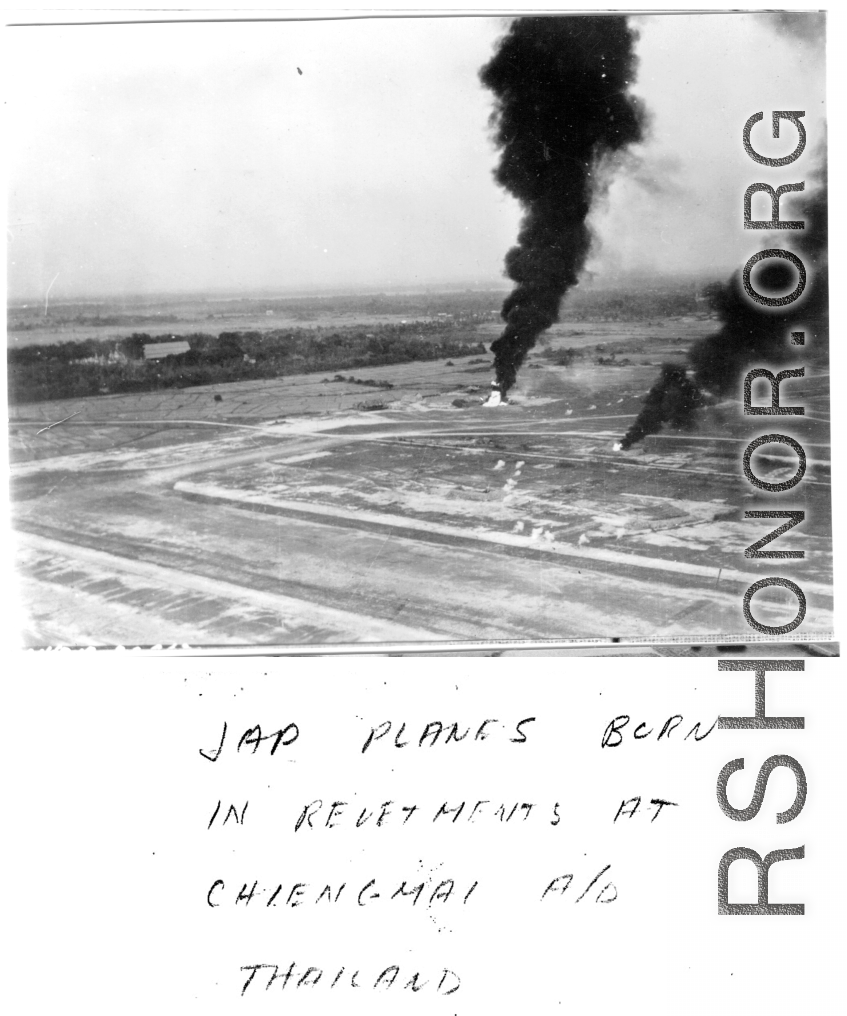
420	331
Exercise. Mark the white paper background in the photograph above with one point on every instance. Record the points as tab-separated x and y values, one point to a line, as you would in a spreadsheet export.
113	860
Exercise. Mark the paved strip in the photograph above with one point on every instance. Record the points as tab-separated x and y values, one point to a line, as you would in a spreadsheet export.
224	606
617	562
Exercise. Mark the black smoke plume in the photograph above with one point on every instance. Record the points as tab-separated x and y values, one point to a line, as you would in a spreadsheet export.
672	399
750	335
562	107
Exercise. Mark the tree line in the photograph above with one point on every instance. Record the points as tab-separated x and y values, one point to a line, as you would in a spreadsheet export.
91	367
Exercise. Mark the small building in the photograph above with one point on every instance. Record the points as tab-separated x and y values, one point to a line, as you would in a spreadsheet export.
159	350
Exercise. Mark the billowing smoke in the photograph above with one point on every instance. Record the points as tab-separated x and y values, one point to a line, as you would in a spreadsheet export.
672	399
563	107
750	335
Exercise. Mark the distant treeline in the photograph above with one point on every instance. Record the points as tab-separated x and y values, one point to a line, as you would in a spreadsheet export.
632	304
92	367
39	323
631	300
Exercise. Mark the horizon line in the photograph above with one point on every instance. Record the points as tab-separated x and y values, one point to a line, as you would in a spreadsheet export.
315	292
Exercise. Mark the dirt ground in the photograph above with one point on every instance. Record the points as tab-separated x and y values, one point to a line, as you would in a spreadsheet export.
310	510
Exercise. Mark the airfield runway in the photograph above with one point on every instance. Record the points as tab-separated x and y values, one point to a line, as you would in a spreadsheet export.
313	510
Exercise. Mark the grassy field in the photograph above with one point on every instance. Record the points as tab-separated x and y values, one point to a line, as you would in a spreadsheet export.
332	476
386	502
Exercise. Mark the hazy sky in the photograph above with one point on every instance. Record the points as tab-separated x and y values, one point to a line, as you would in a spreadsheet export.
178	157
